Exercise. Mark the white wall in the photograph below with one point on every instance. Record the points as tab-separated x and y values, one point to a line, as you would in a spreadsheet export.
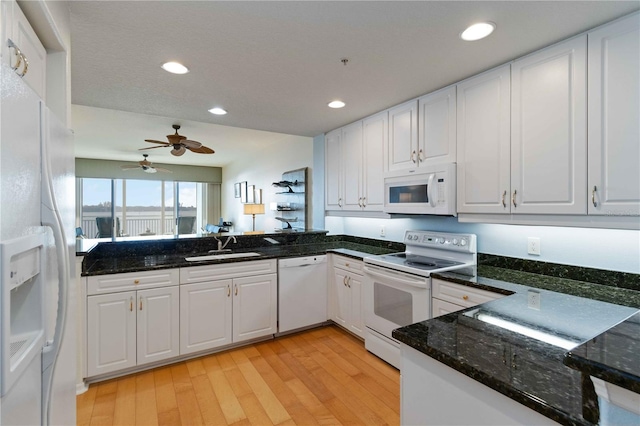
608	249
261	168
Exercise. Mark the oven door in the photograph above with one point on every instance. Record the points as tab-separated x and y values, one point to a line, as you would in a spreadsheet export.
394	299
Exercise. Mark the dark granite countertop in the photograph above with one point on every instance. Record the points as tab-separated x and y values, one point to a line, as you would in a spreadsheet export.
613	356
112	258
519	351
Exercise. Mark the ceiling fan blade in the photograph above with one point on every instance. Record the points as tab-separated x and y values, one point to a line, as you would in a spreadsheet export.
129	167
160	169
191	144
202	150
155	141
152	147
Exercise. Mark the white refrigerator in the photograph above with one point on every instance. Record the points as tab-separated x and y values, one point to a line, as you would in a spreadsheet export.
37	249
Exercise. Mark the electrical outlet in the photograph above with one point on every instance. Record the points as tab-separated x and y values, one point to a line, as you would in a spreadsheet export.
382	232
533	299
533	246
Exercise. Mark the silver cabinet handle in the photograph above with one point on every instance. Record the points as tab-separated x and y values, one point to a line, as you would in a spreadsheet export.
131	304
236	292
349	282
228	290
513	198
19	55
420	156
339	202
504	194
140	302
360	202
513	362
26	66
413	154
364	202
593	196
344	281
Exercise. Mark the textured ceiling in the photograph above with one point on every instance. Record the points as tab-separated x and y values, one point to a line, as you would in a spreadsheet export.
275	65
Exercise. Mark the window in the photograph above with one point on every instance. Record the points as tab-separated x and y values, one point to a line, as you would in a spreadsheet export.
140	207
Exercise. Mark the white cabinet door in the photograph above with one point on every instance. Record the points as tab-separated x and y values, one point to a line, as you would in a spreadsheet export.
356	314
205	315
352	161
402	152
548	130
158	324
374	141
15	26
437	127
483	151
340	298
614	108
333	170
255	307
111	332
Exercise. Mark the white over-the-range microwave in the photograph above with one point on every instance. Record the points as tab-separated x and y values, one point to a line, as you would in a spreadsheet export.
428	190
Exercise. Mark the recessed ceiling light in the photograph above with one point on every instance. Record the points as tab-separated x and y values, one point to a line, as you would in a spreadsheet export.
217	111
336	104
478	31
175	68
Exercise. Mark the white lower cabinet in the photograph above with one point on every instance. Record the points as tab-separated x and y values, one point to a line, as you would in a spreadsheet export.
131	328
345	295
216	312
205	315
447	297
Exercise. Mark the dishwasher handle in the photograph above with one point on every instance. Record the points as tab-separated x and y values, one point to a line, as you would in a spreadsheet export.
296	262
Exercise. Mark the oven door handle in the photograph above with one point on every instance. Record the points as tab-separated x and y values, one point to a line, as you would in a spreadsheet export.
395	276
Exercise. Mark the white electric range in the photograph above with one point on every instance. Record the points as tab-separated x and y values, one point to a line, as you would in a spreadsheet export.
397	287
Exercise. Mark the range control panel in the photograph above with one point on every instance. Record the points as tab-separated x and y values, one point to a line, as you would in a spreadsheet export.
439	240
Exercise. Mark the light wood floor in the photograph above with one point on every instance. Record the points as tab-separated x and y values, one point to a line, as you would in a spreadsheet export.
323	376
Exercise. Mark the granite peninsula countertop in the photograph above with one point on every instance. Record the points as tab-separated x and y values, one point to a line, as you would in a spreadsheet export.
521	352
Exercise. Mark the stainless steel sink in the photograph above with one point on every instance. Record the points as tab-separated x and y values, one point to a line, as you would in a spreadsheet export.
221	256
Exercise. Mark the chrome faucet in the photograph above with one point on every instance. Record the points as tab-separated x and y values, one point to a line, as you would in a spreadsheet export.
229	238
219	243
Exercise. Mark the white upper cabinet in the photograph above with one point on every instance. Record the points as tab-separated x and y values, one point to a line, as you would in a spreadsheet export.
28	56
402	152
614	108
548	130
483	142
437	127
352	164
333	170
374	140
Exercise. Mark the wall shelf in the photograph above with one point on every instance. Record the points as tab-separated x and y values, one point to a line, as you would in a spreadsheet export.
292	202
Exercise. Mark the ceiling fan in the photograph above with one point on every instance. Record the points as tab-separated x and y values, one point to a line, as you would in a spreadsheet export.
146	166
180	144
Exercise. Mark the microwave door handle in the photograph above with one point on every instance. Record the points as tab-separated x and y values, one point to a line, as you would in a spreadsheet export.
430	190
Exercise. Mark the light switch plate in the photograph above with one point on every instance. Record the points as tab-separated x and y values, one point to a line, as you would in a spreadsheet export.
533	246
533	300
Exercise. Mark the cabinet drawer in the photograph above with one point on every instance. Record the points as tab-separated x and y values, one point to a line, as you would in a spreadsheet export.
101	284
223	271
460	294
347	263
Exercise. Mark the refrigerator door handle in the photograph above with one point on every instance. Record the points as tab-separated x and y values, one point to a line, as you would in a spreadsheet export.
50	217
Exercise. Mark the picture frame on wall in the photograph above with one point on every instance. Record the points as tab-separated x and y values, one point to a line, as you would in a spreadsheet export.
236	190
251	194
243	192
257	197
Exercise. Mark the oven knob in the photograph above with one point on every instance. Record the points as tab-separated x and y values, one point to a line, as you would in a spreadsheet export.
441	240
455	241
463	242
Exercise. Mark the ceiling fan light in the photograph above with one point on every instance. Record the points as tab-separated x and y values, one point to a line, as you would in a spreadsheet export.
149	169
179	151
175	68
218	111
336	104
478	31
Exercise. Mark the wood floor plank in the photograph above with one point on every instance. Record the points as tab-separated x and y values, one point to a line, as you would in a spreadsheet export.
316	408
231	408
254	409
207	401
125	407
84	404
322	376
165	392
355	388
146	409
265	395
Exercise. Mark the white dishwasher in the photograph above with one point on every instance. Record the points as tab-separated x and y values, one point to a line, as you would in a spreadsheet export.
302	292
